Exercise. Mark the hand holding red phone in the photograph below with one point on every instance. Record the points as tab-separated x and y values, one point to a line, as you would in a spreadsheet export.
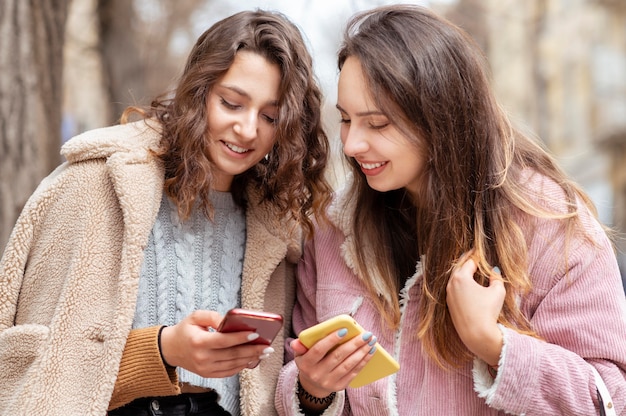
190	345
265	324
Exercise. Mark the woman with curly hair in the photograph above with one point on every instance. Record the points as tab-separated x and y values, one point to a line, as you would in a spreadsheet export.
130	252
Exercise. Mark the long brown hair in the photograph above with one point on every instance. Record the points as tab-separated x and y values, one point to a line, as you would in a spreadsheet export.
431	80
293	176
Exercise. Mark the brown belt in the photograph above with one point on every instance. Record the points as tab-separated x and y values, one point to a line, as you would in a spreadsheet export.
189	388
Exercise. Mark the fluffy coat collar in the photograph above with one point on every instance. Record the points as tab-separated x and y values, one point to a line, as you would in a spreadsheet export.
69	276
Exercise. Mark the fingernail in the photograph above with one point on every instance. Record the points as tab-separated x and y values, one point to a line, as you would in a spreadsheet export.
263	356
366	335
253	336
496	270
372	341
342	332
268	350
373	350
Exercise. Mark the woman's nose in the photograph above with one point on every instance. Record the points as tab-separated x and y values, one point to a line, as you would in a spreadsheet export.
247	126
354	143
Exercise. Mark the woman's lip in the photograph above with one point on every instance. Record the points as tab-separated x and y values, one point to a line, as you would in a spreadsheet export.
371	165
372	168
236	149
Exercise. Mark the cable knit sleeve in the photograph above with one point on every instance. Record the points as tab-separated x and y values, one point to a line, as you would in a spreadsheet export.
142	372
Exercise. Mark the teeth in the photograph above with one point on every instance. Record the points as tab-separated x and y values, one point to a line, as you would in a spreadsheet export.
236	148
371	165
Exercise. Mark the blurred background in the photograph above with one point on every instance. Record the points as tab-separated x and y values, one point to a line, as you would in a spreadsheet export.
66	66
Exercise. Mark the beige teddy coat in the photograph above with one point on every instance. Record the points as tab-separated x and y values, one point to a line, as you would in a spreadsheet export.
70	271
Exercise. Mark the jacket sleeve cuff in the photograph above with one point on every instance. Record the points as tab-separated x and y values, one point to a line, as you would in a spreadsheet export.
484	383
287	402
142	371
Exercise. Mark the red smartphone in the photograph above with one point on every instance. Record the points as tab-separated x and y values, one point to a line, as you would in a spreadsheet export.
266	324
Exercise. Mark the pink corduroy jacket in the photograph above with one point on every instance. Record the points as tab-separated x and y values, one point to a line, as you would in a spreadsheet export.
577	306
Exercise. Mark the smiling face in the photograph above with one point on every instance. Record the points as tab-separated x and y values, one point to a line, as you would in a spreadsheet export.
242	112
388	159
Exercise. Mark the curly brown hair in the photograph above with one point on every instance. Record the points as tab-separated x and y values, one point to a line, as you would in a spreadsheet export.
292	178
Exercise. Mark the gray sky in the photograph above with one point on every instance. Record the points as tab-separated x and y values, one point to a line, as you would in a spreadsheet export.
321	21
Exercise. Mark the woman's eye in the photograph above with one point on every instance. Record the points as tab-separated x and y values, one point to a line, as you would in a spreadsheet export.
379	126
270	119
344	121
229	105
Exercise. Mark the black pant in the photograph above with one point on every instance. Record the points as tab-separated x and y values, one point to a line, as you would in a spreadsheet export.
182	405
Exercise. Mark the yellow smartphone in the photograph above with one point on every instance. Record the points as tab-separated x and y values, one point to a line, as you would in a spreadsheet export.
380	365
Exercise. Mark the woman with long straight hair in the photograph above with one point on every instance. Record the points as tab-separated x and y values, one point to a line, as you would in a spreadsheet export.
458	244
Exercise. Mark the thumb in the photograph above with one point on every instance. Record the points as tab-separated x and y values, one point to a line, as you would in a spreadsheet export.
495	279
205	318
495	275
298	347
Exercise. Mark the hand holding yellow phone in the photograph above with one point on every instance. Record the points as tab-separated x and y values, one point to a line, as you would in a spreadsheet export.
380	365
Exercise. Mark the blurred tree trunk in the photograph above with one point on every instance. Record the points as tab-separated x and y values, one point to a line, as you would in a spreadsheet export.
136	47
31	62
86	99
123	67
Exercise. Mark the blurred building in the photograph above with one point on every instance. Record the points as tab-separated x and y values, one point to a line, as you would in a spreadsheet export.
559	67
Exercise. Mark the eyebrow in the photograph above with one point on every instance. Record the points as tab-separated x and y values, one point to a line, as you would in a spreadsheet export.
241	92
362	113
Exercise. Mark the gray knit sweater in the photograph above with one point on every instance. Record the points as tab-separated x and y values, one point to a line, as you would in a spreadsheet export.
192	265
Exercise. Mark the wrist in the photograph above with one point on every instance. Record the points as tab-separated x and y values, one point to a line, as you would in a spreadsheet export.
493	371
311	404
165	363
490	347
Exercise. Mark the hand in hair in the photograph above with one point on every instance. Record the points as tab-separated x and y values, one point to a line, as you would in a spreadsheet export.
474	309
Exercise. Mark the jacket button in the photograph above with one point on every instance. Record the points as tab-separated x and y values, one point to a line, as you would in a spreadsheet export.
155	405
